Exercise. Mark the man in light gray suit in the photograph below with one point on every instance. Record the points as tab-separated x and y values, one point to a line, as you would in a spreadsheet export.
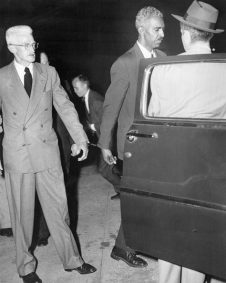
119	104
31	156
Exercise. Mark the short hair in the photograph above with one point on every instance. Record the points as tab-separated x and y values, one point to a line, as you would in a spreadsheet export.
196	34
145	14
13	33
83	79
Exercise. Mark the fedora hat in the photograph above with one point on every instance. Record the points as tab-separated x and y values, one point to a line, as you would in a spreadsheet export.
201	16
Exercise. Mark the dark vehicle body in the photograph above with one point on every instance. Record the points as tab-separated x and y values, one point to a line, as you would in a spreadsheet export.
173	192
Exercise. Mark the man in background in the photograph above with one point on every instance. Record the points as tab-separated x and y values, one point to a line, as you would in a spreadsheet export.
93	104
5	225
119	103
190	91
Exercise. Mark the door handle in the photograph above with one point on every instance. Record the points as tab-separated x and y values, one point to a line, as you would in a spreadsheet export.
133	135
128	154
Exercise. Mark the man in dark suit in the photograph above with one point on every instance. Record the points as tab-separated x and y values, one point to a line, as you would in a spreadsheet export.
28	91
93	102
120	99
93	114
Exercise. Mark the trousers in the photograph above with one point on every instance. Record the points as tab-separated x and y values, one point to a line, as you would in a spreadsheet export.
50	188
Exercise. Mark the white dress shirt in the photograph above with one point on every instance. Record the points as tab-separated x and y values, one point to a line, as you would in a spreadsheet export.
146	53
86	97
20	70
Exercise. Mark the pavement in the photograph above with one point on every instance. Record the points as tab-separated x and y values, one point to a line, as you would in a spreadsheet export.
98	220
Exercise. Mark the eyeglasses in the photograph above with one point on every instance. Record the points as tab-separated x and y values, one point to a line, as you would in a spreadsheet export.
27	45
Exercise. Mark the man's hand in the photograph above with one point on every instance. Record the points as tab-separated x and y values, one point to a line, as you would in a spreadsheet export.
1	169
108	157
1	130
77	148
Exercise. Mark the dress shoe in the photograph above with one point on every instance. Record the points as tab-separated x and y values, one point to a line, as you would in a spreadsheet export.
83	269
128	257
31	278
6	232
116	196
42	242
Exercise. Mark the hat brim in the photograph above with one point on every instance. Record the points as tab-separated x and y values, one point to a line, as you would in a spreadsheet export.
181	19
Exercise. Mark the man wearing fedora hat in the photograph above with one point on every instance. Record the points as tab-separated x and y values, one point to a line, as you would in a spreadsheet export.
190	100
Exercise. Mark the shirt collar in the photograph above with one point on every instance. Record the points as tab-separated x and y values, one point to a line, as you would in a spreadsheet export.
86	98
87	94
146	53
20	68
199	48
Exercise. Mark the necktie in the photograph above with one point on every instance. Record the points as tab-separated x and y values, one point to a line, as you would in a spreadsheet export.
27	81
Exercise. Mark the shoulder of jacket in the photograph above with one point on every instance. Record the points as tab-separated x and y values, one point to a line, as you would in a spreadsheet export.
44	67
96	94
5	72
126	58
131	53
160	52
6	68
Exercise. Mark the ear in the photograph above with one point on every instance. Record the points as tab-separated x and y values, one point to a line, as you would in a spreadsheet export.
187	36
141	30
12	48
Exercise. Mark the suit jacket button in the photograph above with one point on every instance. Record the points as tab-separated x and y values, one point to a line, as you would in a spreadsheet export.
41	125
24	128
14	113
44	141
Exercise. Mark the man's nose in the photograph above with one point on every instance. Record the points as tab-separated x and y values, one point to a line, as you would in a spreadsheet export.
31	47
161	32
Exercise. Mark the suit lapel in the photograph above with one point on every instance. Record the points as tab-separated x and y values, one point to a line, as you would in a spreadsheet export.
139	55
138	52
159	53
38	85
16	87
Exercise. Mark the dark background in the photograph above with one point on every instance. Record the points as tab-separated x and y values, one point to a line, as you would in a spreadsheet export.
88	35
